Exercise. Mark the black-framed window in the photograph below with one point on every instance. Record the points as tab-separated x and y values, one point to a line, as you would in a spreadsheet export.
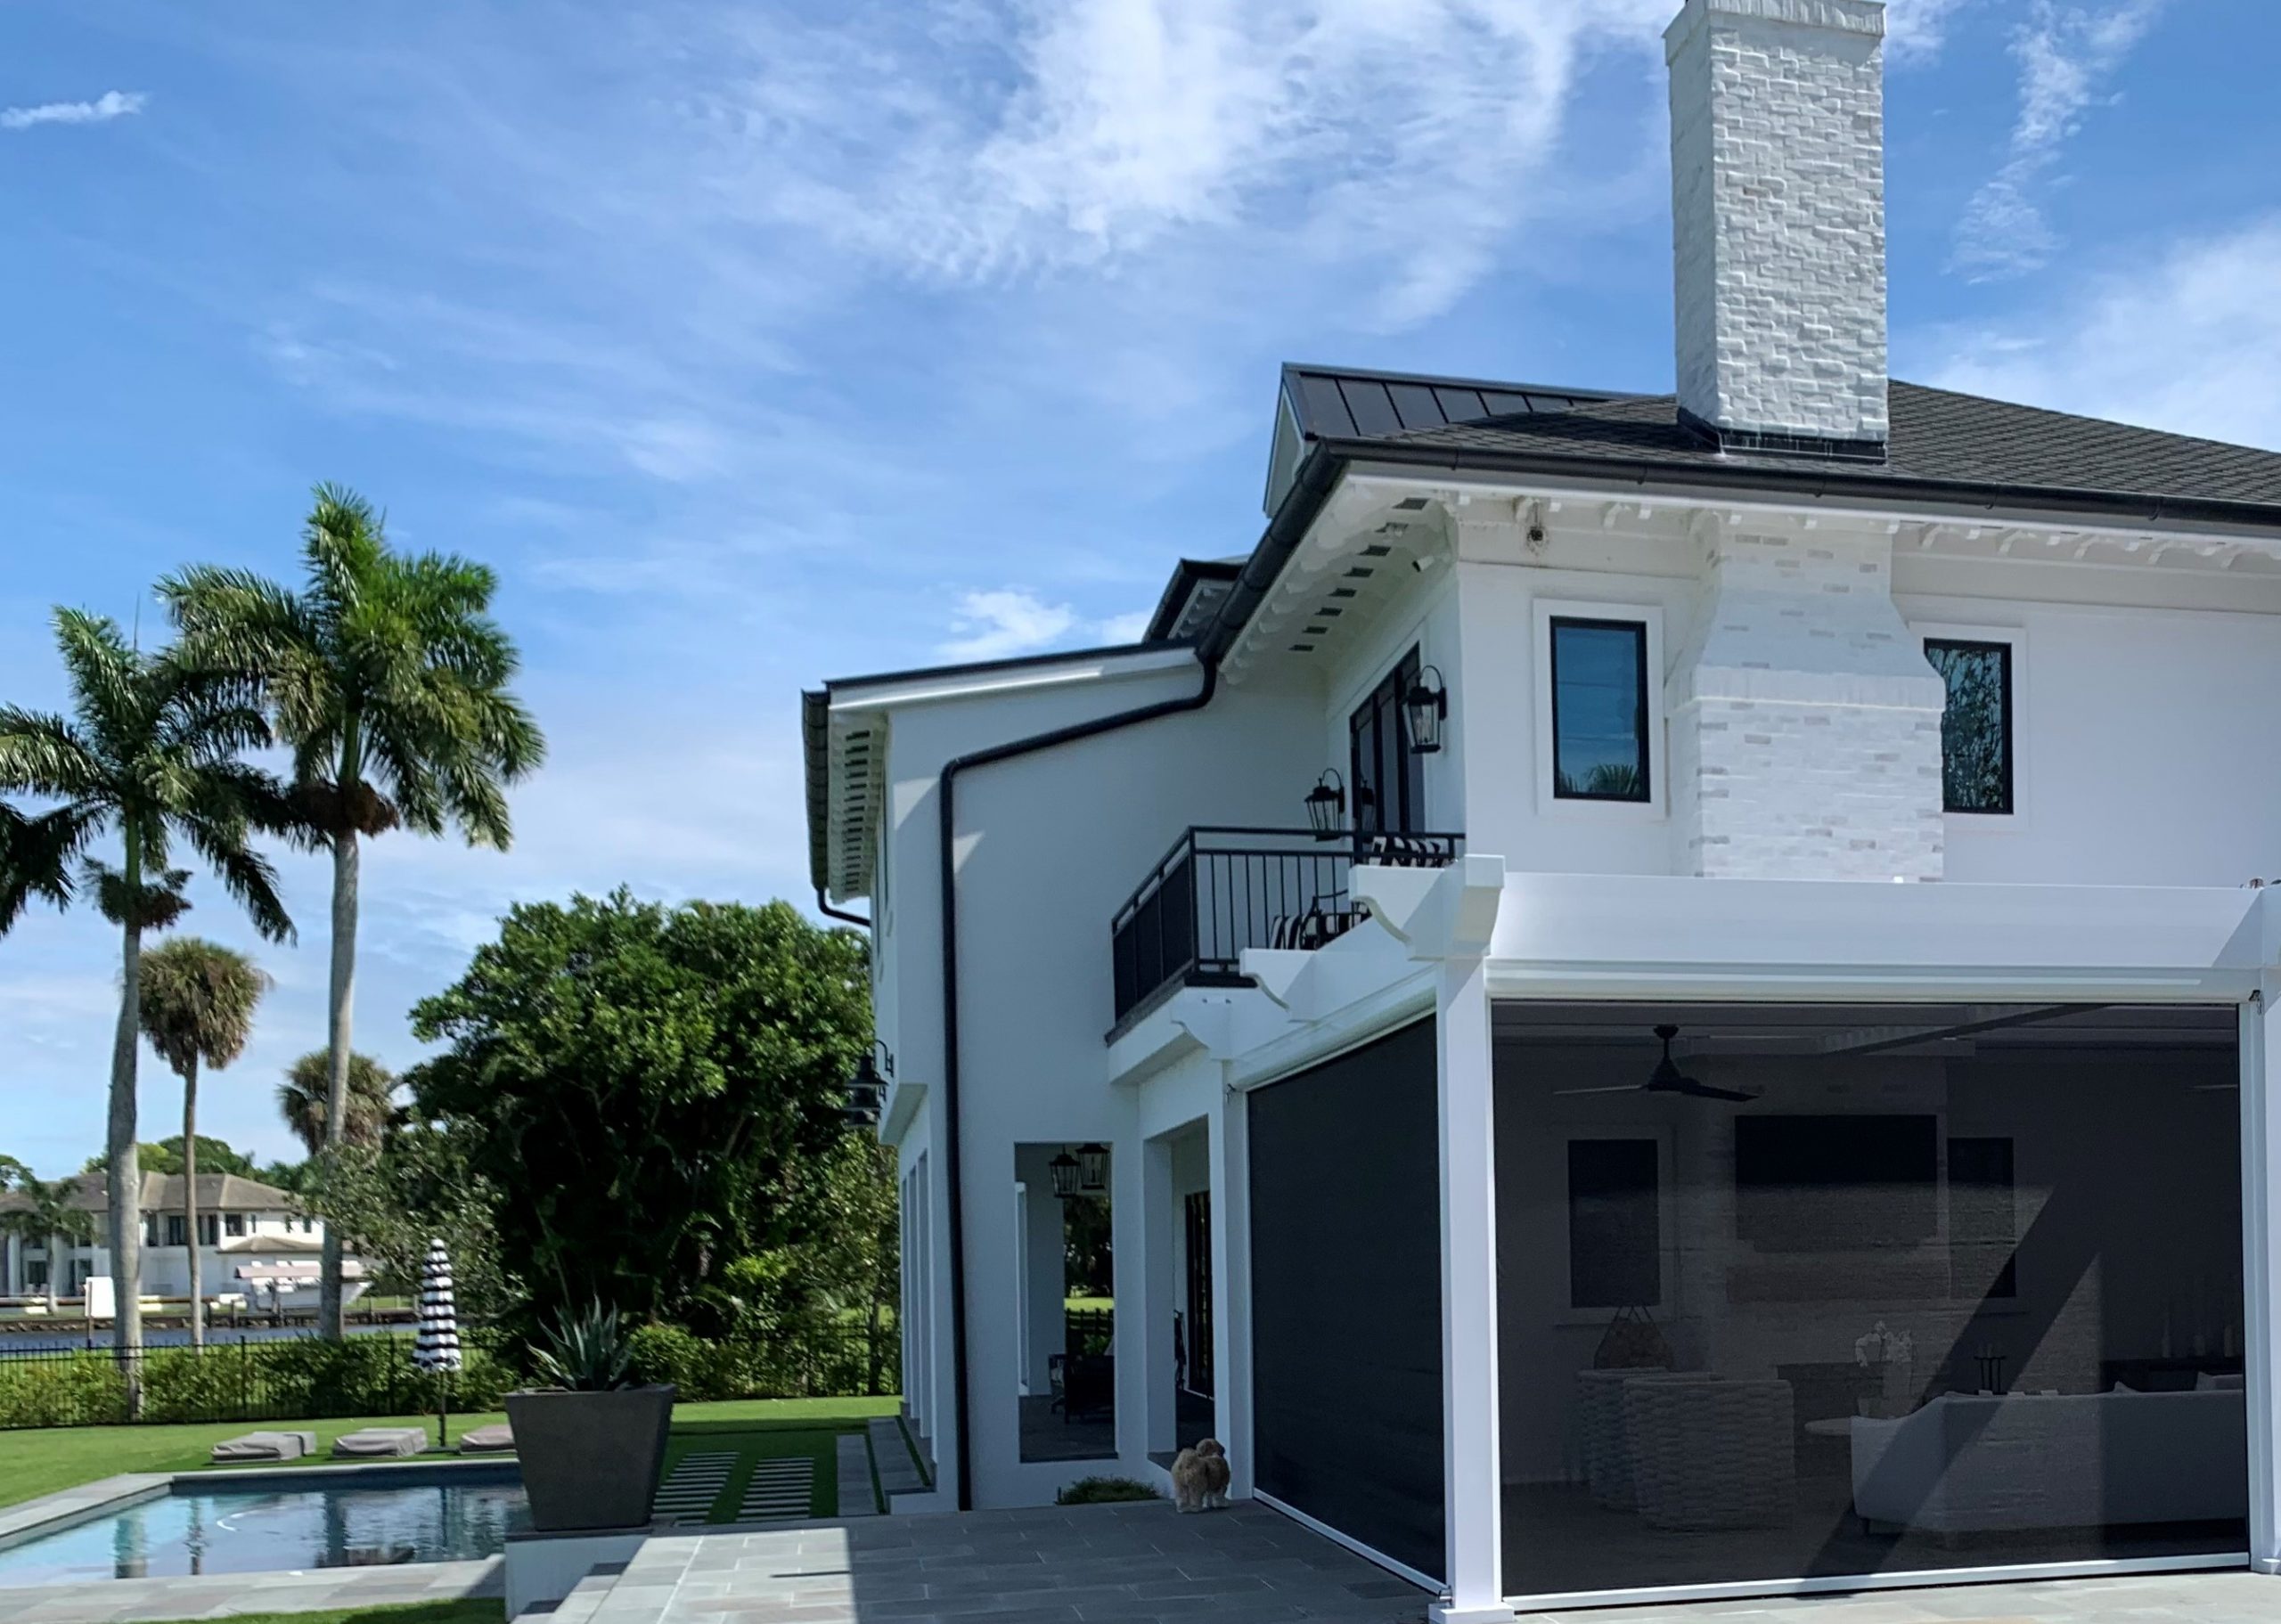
1599	710
1975	725
1615	1239
177	1231
234	1223
1388	778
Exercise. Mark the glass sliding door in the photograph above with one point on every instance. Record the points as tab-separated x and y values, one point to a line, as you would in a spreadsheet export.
1815	1291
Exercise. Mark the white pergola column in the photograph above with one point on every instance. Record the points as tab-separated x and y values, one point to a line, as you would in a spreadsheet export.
1231	1288
2261	1037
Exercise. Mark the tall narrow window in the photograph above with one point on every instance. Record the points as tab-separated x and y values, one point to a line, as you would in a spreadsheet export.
1976	726
1615	1244
1388	779
1599	710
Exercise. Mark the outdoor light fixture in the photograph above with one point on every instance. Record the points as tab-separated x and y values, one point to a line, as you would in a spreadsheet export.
1425	706
1327	804
866	1089
1092	1169
1064	1169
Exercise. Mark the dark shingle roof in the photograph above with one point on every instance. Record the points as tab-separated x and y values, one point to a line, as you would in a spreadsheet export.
1938	438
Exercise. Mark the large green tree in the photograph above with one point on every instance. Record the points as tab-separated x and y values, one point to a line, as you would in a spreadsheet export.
152	754
389	1198
389	681
305	1100
42	1212
642	1085
198	1003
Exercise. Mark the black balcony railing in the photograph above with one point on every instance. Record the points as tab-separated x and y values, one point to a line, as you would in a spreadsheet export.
1219	891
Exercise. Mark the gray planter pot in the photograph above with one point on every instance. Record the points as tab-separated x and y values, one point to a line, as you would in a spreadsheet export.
591	1459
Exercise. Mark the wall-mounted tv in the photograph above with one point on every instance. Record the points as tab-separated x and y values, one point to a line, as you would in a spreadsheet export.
1836	1183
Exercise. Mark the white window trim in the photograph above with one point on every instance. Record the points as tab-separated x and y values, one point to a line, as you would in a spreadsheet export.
1666	1213
1656	809
2017	821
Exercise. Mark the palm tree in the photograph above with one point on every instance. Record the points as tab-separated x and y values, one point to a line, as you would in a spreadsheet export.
389	679
43	1212
198	1004
151	754
305	1098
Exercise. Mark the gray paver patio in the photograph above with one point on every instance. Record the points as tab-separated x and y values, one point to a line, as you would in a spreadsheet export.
214	1595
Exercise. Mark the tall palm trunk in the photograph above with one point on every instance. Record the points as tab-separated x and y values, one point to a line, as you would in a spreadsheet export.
190	1201
123	1165
336	1111
54	1267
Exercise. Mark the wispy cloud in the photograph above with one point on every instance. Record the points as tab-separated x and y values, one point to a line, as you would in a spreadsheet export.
2190	343
995	625
2067	55
111	104
1916	29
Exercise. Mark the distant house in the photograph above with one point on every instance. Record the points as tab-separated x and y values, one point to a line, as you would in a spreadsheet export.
255	1242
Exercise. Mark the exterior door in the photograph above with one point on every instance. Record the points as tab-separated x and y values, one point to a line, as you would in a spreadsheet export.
1199	1319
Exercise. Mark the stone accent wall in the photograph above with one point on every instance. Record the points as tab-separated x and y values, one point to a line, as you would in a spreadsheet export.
1805	724
1778	214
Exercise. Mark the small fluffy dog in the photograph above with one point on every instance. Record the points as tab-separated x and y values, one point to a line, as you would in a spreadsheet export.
1200	1477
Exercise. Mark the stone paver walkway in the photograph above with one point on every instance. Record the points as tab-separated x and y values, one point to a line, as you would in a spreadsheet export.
116	1601
1084	1564
2153	1598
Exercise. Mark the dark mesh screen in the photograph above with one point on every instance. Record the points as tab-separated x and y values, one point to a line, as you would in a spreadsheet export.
1346	1295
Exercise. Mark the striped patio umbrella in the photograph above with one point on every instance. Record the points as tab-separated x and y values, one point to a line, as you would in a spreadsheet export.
435	1346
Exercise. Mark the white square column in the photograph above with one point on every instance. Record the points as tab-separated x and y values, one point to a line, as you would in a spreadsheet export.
1473	1495
2260	1038
1231	1287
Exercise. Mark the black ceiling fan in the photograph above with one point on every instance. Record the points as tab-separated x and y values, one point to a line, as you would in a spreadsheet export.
1668	1078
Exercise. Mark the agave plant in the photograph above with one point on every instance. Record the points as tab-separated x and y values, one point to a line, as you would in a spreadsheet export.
584	1352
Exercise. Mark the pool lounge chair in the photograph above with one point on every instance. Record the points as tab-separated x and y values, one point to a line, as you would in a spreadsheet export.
499	1440
380	1443
264	1446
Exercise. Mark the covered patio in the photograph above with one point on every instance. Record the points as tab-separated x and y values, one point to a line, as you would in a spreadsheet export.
1144	1564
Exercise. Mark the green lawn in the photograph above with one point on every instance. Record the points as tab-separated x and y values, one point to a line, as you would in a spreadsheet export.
37	1461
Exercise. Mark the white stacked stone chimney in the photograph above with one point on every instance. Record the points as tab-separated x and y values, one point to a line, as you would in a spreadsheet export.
1805	724
1778	219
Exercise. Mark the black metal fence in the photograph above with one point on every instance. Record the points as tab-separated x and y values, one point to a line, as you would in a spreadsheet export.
308	1378
1221	890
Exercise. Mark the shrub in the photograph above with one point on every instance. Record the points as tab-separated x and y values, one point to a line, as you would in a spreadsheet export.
1104	1491
698	1369
81	1390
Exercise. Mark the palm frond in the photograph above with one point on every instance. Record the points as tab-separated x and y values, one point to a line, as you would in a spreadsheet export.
154	903
108	690
44	755
37	854
244	873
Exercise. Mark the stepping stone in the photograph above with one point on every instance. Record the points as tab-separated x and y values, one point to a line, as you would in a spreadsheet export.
779	1489
856	1496
695	1482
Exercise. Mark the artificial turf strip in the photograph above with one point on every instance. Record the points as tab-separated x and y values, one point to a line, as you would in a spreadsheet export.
753	1445
35	1461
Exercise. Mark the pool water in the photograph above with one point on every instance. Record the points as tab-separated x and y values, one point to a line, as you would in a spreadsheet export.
410	1515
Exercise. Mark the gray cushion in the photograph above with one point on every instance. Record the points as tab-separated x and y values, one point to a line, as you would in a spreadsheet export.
497	1440
266	1445
382	1442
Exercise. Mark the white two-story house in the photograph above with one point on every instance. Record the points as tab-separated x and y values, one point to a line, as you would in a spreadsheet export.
256	1245
1659	996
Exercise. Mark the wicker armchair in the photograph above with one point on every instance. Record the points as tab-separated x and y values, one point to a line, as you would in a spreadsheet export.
1605	1449
1710	1453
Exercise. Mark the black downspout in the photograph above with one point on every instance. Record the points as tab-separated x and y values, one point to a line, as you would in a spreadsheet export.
824	907
946	807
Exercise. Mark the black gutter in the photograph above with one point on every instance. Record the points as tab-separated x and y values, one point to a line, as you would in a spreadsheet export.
1837	480
824	907
945	788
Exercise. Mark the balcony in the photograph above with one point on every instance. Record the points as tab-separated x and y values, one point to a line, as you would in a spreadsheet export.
1219	891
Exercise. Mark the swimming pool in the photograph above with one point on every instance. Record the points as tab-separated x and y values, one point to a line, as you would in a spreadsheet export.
386	1515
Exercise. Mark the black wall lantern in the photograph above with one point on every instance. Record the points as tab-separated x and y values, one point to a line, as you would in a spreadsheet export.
1327	805
1425	706
1092	1169
1064	1169
866	1089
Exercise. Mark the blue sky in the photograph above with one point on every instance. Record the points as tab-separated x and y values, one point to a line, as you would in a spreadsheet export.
760	342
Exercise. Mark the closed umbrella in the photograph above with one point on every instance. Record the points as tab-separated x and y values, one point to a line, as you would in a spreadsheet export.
435	1346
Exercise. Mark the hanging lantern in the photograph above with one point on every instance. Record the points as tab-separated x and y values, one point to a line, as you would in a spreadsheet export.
1425	707
1092	1169
1327	805
1064	1169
